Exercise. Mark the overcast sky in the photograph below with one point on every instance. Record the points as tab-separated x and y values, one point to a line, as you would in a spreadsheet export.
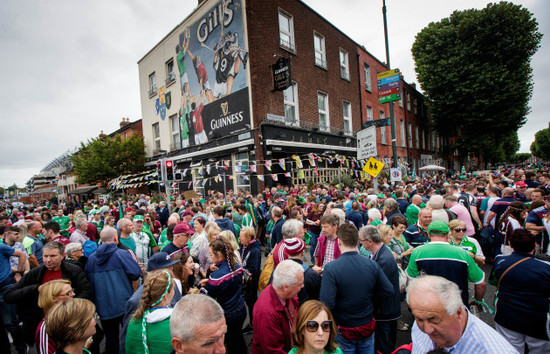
69	68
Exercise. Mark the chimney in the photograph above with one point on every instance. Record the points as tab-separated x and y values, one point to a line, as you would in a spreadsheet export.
125	121
102	135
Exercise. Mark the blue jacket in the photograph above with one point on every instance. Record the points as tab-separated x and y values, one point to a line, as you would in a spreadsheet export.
226	224
277	232
252	258
356	218
111	272
390	308
225	287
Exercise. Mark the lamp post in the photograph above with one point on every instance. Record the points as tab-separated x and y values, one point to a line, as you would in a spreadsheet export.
392	117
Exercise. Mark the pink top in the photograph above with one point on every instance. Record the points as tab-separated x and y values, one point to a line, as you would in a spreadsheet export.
464	215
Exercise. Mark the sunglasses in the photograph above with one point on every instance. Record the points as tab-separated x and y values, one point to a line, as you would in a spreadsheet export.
313	326
460	230
68	293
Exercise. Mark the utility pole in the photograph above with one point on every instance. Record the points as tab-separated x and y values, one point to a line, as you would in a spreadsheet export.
392	117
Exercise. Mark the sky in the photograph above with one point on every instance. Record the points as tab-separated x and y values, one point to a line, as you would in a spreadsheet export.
69	68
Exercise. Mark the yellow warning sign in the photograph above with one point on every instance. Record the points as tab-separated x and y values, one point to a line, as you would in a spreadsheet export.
373	166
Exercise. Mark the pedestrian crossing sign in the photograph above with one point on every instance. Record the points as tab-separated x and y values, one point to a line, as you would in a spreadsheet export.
373	166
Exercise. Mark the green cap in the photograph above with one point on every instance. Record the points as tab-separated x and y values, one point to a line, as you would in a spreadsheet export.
438	227
380	195
138	218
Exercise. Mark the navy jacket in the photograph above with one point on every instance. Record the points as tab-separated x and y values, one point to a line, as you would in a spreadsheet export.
252	258
389	308
349	287
277	232
224	285
226	224
111	271
356	218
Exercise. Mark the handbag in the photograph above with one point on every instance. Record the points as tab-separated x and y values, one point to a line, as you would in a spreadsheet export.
402	280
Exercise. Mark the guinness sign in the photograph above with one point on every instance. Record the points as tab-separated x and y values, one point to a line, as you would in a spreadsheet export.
282	77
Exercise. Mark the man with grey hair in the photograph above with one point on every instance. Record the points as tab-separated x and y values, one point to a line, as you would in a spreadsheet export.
442	320
437	204
391	209
79	234
291	230
197	325
276	309
389	310
278	221
339	213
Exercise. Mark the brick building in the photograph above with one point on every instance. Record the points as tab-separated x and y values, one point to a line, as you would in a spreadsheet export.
209	104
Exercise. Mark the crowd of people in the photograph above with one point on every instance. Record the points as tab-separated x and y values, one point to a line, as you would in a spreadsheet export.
318	270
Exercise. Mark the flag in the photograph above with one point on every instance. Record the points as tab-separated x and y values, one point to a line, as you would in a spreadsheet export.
311	160
298	161
287	174
261	177
253	168
274	176
301	174
282	164
268	165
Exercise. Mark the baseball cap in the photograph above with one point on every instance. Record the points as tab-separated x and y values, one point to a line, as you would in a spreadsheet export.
438	227
380	195
294	246
183	228
160	260
138	218
521	184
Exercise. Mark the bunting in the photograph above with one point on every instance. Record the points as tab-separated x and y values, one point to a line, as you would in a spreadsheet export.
282	164
268	165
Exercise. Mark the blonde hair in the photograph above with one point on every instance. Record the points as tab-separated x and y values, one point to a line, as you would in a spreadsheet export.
48	292
154	287
67	321
456	222
228	235
212	229
385	231
249	232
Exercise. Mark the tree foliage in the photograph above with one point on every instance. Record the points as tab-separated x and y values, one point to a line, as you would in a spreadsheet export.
103	159
474	68
541	146
521	157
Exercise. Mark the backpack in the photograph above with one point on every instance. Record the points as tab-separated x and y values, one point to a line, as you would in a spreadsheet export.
89	247
265	276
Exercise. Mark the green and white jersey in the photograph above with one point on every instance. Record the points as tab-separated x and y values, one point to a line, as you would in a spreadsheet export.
144	242
63	222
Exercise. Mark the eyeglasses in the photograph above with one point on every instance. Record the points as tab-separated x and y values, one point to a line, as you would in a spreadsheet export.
313	326
460	230
96	316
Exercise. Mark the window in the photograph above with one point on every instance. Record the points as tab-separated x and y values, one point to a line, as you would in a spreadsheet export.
369	113
322	106
344	65
408	102
241	173
402	133
383	129
290	96
417	138
347	117
170	75
156	136
366	70
320	52
423	133
433	140
175	124
415	106
401	101
286	31
152	84
410	136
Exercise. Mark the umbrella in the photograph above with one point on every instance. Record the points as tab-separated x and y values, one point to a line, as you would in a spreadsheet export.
432	168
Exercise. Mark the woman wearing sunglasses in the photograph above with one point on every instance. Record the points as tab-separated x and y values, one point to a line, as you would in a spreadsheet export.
469	244
315	330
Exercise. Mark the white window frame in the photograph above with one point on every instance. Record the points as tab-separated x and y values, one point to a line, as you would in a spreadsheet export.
286	103
402	126
176	139
344	64
245	167
408	102
324	111
423	134
347	118
417	137
370	115
290	45
170	75
152	83
320	53
401	101
383	129
410	137
368	78
156	136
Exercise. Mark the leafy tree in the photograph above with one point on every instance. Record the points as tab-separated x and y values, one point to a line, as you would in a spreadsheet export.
474	68
541	146
103	159
521	157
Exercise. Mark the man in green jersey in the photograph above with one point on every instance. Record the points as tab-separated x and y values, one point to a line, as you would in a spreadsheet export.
63	221
440	258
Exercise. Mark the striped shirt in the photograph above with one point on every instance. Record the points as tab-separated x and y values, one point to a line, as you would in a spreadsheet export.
477	338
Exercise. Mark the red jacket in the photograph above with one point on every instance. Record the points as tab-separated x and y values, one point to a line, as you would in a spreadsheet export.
272	331
322	247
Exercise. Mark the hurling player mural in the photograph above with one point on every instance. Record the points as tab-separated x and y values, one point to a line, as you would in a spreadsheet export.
212	60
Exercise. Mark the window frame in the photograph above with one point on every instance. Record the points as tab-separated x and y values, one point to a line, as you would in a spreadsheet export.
322	51
371	116
383	139
349	118
294	88
170	75
176	143
325	112
291	46
368	77
346	66
152	82
402	131
156	136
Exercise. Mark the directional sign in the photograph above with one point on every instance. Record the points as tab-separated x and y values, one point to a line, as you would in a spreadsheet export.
385	99
389	91
388	86
388	79
373	167
366	143
377	123
395	174
387	73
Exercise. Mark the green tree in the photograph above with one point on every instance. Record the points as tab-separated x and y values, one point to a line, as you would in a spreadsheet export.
541	146
474	68
521	157
103	159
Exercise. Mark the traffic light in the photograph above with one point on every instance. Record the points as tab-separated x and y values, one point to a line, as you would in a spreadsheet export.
169	170
159	170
